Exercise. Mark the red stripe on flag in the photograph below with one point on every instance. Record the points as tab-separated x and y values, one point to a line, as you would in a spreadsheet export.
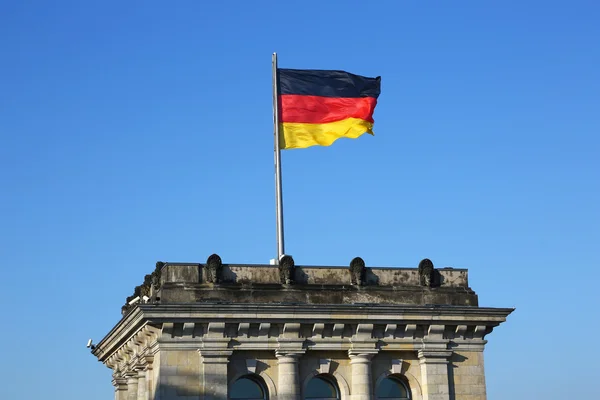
318	110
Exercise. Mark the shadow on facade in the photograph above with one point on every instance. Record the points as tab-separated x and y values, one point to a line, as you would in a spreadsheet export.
451	366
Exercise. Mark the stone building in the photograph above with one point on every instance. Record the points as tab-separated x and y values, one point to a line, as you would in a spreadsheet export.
218	331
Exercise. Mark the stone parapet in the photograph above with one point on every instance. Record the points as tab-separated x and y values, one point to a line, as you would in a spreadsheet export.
191	283
247	274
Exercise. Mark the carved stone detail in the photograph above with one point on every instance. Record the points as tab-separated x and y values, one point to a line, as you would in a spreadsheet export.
390	330
357	271
214	269
150	286
397	366
426	273
156	276
251	366
286	270
324	366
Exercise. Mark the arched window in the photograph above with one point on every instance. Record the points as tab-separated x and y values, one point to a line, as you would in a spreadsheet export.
322	387
248	387
392	387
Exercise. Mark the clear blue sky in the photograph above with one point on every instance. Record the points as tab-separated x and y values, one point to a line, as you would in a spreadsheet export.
140	131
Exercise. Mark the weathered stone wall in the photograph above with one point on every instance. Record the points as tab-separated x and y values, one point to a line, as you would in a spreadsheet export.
179	374
468	375
154	392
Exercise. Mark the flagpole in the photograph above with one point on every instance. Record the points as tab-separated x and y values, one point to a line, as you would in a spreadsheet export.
277	150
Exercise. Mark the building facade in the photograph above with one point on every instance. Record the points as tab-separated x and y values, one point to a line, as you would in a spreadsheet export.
218	331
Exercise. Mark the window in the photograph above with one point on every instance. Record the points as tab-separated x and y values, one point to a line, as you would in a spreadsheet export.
321	387
392	388
248	388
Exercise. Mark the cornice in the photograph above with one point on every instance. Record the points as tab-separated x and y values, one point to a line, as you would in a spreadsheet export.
372	312
150	327
123	331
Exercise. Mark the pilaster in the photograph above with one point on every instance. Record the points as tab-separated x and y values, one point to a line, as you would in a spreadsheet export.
132	385
214	374
434	374
142	387
120	385
214	356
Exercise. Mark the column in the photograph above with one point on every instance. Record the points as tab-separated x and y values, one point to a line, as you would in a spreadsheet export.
132	385
142	387
434	374
362	388
215	373
289	380
120	385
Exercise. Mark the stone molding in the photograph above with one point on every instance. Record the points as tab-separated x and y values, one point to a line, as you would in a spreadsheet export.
288	356
215	356
119	383
361	356
434	356
358	312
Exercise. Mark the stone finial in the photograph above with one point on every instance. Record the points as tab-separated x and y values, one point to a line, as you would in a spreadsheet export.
147	289
426	273
286	270
357	271
214	269
156	276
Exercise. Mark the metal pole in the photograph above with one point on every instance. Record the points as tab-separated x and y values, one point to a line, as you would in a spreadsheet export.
278	193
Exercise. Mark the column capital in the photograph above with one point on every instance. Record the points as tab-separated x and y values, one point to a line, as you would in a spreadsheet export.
434	356
288	355
216	343
147	361
129	375
141	366
361	356
215	356
119	383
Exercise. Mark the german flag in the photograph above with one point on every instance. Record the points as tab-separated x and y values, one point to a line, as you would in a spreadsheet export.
317	107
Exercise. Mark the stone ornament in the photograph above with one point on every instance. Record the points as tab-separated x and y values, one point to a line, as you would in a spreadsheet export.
357	271
214	269
150	286
426	272
156	276
286	270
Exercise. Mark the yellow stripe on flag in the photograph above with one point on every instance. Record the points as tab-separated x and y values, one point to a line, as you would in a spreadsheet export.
295	135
